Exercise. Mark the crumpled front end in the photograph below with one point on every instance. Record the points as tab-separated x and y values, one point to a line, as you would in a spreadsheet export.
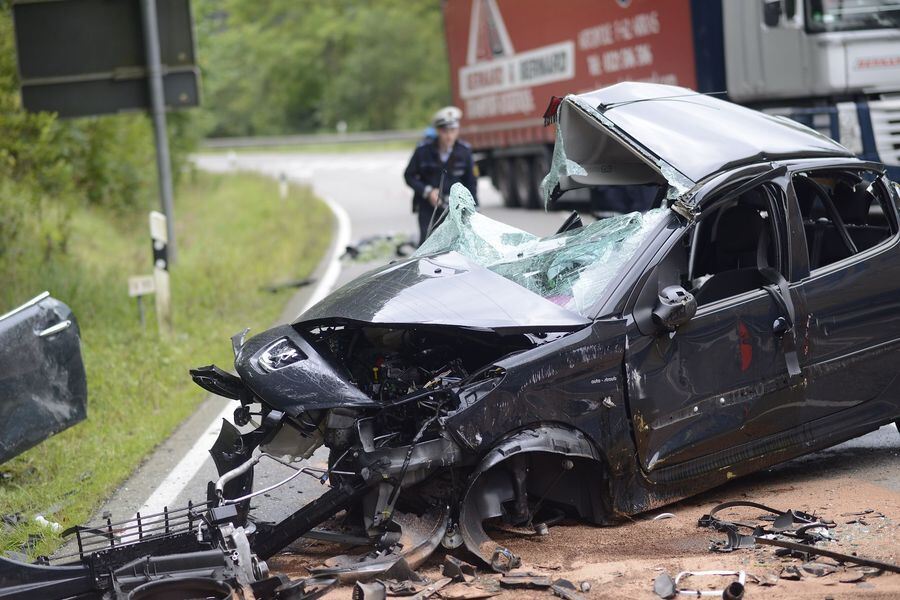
379	398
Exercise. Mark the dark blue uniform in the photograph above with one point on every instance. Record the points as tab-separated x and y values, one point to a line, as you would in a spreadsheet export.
425	169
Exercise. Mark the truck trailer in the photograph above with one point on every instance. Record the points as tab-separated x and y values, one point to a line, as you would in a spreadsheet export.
833	65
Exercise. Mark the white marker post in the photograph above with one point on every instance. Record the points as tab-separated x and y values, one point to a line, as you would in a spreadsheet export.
161	272
283	185
138	287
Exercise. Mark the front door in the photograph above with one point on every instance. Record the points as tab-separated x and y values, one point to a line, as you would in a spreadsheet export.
722	380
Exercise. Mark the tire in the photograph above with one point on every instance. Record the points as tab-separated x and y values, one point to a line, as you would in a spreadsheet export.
506	184
540	166
523	173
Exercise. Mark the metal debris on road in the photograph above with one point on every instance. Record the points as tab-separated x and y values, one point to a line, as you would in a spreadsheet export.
734	592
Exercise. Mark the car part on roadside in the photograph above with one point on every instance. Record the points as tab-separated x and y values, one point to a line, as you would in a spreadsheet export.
42	376
839	556
664	586
190	551
379	247
733	591
458	570
273	288
565	589
374	590
811	530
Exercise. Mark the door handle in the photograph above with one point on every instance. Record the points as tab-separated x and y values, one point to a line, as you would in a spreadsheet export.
54	329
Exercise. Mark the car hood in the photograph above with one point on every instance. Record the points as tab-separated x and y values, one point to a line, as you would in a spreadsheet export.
636	133
442	290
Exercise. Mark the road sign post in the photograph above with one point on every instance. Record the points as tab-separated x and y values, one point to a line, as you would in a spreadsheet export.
138	287
158	113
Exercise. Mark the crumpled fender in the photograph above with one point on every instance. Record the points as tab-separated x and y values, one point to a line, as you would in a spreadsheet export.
486	493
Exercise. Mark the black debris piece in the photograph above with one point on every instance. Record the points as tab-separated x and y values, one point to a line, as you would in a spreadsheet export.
458	570
525	580
734	591
818	569
374	590
566	589
432	589
273	288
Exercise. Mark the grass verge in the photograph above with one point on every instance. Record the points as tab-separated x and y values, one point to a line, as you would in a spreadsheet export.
235	235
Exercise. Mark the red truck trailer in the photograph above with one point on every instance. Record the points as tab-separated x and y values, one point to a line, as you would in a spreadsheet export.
831	64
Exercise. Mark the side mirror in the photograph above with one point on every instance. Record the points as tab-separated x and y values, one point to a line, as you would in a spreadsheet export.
675	306
771	12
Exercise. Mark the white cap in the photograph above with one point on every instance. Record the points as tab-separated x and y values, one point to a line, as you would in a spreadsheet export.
448	116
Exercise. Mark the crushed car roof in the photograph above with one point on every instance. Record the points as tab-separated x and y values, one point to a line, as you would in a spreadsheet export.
633	133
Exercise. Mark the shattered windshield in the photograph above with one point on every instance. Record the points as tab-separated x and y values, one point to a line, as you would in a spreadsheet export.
572	269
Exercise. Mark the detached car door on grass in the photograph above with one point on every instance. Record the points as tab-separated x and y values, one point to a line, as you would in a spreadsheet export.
43	389
709	392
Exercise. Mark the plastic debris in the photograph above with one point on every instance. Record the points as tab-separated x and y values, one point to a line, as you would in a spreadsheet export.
525	580
664	586
565	589
51	525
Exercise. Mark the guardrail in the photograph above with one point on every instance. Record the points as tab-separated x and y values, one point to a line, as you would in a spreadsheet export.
314	138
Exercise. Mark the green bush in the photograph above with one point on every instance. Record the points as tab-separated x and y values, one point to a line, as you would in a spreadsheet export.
50	167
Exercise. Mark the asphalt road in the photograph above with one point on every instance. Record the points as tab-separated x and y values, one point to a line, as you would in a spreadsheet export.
369	187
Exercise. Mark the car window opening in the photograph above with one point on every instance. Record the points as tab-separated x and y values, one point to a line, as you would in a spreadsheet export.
728	249
843	213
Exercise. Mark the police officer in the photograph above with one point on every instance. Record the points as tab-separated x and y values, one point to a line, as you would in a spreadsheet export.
445	155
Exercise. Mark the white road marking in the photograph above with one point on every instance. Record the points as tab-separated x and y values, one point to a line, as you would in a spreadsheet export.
175	482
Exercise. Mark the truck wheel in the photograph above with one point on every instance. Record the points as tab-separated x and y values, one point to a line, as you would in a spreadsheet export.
505	183
524	182
540	166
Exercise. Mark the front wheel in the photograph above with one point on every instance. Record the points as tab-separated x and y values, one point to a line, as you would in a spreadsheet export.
506	183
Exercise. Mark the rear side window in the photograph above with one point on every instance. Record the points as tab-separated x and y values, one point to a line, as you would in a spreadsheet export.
844	213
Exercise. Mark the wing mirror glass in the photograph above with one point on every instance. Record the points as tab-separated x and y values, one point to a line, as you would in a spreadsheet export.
675	306
771	12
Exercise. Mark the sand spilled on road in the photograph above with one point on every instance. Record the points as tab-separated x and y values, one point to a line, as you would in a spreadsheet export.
622	561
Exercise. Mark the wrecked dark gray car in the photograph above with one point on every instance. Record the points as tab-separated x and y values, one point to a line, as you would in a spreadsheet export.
613	367
499	378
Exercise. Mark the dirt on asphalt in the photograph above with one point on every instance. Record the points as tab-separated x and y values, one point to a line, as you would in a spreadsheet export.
624	560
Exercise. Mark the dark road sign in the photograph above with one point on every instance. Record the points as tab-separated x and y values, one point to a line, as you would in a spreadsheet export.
87	57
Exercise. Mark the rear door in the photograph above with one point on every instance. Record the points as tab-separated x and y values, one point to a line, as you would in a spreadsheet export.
43	388
852	290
